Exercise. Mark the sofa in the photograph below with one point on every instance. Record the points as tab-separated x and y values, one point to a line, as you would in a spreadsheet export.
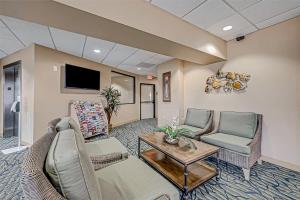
58	166
238	135
197	123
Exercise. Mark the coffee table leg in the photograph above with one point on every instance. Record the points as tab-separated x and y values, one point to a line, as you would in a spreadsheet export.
185	187
218	167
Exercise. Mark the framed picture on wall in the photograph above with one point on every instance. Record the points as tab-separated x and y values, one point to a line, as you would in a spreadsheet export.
166	86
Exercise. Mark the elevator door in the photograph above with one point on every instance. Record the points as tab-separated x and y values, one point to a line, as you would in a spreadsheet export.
147	103
11	92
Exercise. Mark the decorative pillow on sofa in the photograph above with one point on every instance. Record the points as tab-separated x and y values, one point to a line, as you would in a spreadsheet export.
91	117
70	169
197	117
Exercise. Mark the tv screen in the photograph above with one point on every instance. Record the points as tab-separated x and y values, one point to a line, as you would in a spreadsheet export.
81	78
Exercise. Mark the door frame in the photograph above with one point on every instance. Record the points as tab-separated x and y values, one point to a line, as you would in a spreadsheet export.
154	101
19	62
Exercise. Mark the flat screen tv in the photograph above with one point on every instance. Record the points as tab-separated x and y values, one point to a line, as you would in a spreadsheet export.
81	78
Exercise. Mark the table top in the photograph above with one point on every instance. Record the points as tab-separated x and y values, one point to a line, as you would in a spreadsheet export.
182	155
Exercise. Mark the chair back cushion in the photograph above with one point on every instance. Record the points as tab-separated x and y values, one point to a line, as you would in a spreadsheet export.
197	117
91	118
242	124
70	169
69	123
34	182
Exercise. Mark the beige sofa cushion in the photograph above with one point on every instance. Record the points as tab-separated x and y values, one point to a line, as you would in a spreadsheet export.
105	146
132	179
69	166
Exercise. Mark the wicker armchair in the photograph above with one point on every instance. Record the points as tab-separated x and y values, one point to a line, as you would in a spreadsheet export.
243	160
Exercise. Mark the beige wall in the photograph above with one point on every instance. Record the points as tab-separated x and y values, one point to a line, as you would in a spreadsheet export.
272	57
169	110
50	103
27	59
42	99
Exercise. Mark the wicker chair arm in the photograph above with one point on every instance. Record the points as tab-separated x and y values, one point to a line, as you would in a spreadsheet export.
208	127
256	141
102	161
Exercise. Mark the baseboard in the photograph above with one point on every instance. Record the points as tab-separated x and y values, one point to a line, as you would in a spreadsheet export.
281	163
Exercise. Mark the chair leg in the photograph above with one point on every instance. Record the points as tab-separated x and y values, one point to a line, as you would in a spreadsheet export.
259	161
246	174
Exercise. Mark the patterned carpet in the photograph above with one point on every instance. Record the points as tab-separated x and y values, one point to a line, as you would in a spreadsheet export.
267	181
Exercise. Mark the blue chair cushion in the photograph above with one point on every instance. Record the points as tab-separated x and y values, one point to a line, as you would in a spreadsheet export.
242	124
197	117
231	142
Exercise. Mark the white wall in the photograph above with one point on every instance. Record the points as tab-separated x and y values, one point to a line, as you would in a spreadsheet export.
272	58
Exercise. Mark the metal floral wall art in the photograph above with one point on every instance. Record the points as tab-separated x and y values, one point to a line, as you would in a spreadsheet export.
229	81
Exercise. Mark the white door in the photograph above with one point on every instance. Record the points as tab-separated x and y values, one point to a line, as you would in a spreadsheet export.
147	101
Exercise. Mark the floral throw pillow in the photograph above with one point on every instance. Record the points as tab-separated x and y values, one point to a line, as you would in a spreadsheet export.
91	117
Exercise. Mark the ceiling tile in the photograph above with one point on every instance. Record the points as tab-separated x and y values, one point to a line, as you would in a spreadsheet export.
241	4
177	7
267	9
95	43
67	41
137	58
132	69
279	18
29	32
158	59
240	26
8	42
244	31
2	54
209	13
118	54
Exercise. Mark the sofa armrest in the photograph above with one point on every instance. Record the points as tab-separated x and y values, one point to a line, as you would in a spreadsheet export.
102	161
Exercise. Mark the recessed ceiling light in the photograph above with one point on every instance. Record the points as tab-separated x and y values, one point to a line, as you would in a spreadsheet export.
138	68
227	28
97	50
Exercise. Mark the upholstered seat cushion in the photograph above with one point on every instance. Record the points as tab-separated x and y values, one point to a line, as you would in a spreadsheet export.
241	124
231	142
192	131
132	179
105	146
69	168
197	117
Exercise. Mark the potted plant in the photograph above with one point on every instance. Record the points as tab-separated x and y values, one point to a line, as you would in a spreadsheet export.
112	97
172	134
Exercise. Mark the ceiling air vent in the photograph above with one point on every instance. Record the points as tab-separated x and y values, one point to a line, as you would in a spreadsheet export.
145	65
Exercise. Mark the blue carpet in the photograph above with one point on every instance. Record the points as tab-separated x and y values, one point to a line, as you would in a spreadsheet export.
267	181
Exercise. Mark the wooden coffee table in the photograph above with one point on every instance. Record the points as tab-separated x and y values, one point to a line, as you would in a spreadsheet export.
184	167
